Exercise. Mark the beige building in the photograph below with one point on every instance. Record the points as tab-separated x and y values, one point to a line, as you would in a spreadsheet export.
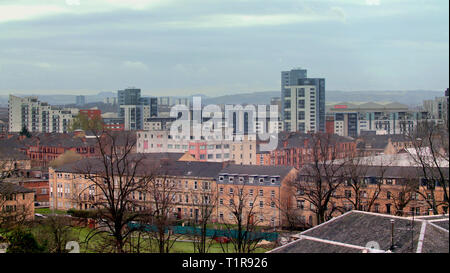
16	203
243	151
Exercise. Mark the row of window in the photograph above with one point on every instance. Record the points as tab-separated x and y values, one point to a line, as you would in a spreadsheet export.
251	179
250	192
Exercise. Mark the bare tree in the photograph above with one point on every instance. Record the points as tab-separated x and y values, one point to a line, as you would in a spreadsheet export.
405	193
113	179
430	152
13	213
55	232
203	201
243	217
319	180
291	210
365	181
162	191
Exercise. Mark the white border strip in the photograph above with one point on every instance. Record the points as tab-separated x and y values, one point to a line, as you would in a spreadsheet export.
389	216
438	227
421	237
341	244
428	216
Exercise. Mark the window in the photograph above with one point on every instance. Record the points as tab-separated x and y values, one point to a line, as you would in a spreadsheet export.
348	194
220	178
195	185
221	201
231	191
231	202
273	180
300	204
261	180
272	205
272	193
250	192
261	192
261	204
388	195
221	190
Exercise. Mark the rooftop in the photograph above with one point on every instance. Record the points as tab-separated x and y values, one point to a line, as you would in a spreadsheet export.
358	231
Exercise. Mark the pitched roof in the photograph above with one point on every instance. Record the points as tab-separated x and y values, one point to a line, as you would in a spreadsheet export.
281	171
8	188
7	153
357	230
379	141
150	163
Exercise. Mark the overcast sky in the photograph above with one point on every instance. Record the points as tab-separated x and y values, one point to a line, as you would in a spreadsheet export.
182	47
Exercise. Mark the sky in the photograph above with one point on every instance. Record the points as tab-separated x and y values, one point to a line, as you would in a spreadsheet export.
185	47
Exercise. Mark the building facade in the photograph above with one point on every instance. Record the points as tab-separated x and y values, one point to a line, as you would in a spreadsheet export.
303	102
38	116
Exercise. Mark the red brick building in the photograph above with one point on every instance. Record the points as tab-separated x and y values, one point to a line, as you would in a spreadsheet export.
295	149
91	113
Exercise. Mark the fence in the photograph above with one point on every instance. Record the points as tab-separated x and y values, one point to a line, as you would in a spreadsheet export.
269	236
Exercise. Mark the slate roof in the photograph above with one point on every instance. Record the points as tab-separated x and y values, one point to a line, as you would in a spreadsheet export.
7	153
379	141
298	139
7	187
168	164
149	162
281	171
356	231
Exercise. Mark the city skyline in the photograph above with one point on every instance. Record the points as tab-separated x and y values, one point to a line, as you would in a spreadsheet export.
173	48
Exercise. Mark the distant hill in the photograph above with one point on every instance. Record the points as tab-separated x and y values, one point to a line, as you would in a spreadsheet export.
412	98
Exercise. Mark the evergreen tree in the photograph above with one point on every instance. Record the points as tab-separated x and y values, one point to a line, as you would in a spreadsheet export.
25	132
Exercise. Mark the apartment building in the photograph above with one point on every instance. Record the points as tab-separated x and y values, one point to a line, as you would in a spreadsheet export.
16	203
134	109
351	119
303	101
38	116
262	191
437	109
202	150
193	184
369	144
295	149
396	190
243	150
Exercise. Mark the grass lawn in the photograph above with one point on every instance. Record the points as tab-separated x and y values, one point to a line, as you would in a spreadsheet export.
45	211
178	247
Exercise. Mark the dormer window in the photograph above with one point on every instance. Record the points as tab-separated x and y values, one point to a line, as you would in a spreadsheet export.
220	178
231	179
241	179
261	180
273	180
250	180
